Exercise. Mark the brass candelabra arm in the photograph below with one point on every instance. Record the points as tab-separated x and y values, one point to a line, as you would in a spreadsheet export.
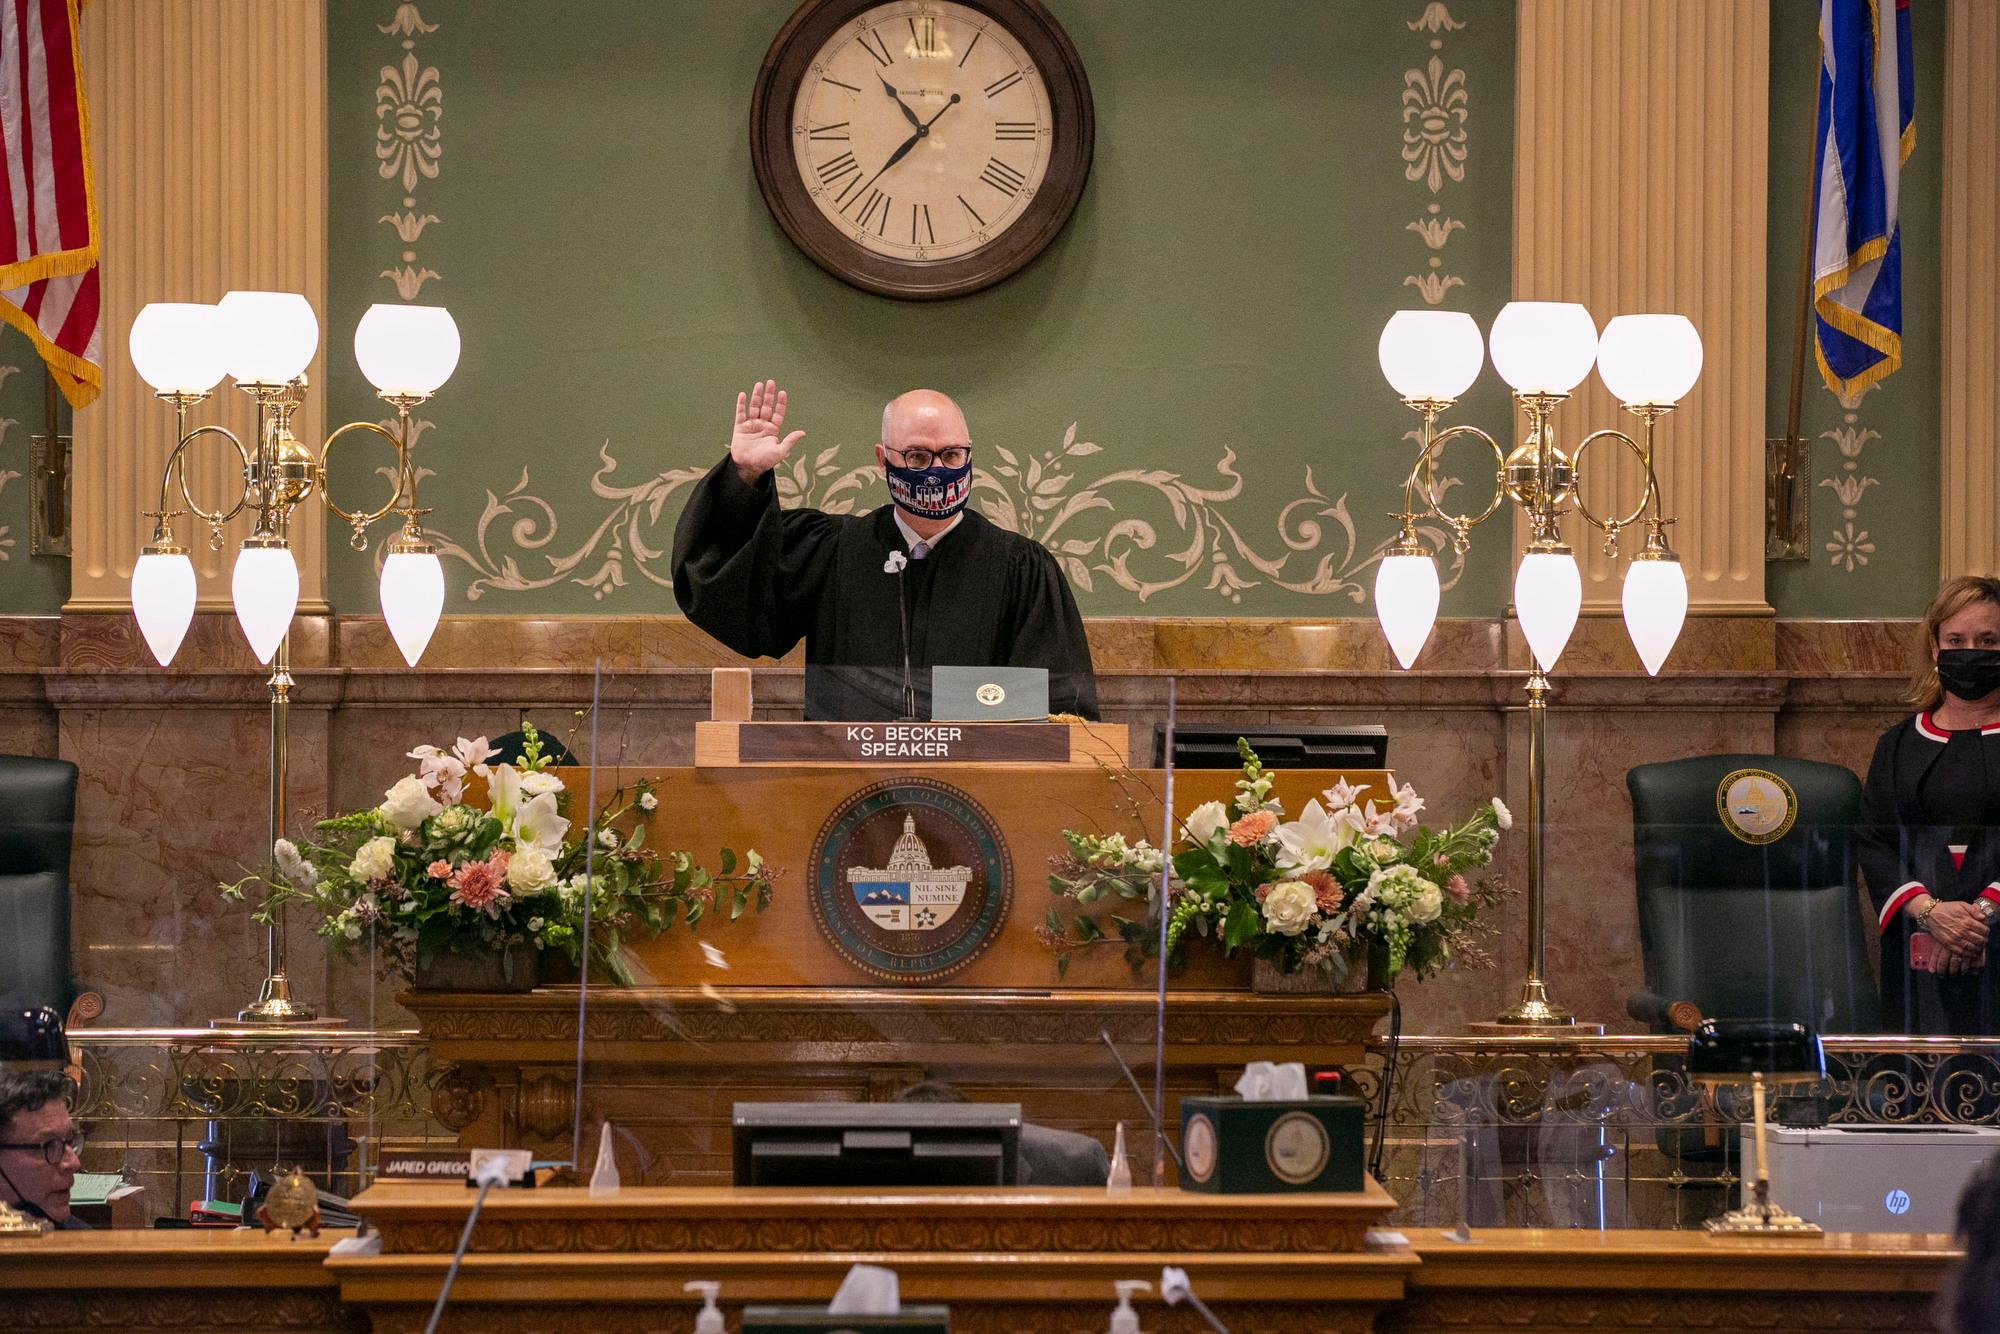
359	520
1422	482
176	466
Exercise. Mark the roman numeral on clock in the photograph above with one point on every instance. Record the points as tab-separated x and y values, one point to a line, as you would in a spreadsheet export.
929	231
1010	129
875	212
848	86
831	171
924	33
1001	85
1003	177
973	211
829	133
968	47
872	43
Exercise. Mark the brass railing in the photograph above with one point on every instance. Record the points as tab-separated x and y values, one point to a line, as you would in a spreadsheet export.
1609	1131
189	1114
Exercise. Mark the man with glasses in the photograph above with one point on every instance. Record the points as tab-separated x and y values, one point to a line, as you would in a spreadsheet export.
39	1146
879	598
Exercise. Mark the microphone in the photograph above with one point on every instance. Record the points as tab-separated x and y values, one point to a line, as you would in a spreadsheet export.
1175	1289
1159	1131
894	565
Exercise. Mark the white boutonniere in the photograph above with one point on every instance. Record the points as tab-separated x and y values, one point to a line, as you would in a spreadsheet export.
894	565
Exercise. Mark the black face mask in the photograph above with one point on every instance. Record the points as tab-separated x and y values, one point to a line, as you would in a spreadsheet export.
1969	673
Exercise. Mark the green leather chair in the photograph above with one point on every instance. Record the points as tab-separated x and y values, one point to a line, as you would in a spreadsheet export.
1742	930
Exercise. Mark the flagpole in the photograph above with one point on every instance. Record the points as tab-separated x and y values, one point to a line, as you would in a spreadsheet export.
1788	457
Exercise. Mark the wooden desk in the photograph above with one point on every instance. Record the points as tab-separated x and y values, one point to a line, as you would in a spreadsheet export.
234	1279
1013	1260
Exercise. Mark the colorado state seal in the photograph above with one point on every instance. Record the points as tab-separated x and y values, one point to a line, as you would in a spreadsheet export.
910	881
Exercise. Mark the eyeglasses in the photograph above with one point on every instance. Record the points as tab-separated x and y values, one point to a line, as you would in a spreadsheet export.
52	1150
951	456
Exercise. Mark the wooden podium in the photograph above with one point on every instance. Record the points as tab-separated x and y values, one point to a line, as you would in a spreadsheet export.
782	1005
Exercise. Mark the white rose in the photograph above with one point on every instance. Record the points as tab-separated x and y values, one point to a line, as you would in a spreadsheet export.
1205	821
536	781
376	860
536	924
530	870
1427	905
408	804
648	802
1289	907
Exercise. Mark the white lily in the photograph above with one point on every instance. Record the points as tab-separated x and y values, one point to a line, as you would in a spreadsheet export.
1310	842
503	793
539	825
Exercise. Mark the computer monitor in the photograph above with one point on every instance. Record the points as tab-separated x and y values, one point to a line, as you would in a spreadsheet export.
1213	746
809	1320
876	1144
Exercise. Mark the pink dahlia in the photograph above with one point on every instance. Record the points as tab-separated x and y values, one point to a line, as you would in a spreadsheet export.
481	886
1252	828
1326	891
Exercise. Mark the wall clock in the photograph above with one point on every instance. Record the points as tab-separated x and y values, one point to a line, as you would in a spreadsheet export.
921	148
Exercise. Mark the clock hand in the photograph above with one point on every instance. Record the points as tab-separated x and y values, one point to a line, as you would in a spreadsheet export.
909	143
940	111
901	105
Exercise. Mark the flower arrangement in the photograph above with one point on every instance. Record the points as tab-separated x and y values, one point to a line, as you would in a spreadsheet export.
427	871
1345	882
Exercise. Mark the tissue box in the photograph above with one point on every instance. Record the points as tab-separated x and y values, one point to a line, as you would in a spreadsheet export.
806	1320
1233	1147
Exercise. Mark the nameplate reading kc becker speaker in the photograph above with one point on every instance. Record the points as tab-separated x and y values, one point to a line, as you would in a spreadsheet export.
890	743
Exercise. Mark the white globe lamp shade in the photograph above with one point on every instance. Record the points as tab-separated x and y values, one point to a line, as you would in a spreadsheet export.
163	597
269	337
412	599
406	349
1406	603
1656	605
1433	354
1543	347
178	348
1548	594
265	588
1649	359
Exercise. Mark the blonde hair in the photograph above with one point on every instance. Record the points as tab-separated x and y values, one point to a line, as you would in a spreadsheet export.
1967	590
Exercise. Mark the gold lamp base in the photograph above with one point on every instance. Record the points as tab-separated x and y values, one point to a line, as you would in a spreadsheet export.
1536	1010
274	1006
1762	1218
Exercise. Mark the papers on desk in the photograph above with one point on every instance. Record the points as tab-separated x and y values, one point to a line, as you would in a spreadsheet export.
100	1188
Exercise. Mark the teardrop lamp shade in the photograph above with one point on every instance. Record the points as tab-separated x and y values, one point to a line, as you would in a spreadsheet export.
1548	594
163	596
406	349
270	337
1649	359
1543	347
1406	603
1431	353
412	599
265	587
178	347
1656	604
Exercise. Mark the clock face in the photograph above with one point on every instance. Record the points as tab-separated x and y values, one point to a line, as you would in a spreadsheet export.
921	148
922	130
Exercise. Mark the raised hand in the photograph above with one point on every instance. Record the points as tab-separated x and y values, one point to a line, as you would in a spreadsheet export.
758	443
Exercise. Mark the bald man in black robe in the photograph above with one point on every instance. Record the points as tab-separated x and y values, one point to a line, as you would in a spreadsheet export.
922	578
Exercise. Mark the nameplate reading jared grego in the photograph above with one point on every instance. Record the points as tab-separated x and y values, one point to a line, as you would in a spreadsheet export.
888	743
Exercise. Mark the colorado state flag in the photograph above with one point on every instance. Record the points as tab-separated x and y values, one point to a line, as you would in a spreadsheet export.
1864	134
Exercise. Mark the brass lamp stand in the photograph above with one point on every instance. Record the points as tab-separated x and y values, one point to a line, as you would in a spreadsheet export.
279	475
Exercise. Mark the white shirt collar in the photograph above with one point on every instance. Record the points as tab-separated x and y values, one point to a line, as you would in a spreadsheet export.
911	537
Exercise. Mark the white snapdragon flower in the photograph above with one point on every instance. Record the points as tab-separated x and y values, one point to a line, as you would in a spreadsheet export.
1501	815
1205	821
376	859
529	870
408	804
1289	908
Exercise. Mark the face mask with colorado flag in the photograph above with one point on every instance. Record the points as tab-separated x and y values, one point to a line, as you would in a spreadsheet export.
936	492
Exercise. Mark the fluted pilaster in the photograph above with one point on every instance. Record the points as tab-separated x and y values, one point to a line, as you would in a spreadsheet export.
1640	147
1969	426
208	132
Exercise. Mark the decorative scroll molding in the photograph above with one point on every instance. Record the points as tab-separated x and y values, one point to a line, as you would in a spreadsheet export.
1970	372
1640	185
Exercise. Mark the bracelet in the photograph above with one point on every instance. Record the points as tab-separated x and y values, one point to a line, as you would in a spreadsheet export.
1922	916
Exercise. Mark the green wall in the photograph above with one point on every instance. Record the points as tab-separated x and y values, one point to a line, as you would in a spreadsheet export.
29	585
595	228
1875	462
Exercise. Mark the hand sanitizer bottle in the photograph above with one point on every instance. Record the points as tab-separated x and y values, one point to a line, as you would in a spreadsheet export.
1120	1180
1125	1320
709	1321
604	1181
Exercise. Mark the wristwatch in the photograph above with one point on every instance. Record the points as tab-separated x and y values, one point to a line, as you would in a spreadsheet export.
1987	910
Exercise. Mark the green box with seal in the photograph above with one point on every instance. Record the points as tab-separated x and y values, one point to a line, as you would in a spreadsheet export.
1233	1147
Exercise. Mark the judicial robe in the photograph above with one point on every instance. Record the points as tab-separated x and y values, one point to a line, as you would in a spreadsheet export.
1930	813
760	578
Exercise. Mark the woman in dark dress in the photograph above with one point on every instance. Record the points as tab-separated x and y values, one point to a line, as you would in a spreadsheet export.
1930	842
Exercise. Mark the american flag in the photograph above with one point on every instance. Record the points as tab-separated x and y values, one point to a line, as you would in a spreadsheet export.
48	210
